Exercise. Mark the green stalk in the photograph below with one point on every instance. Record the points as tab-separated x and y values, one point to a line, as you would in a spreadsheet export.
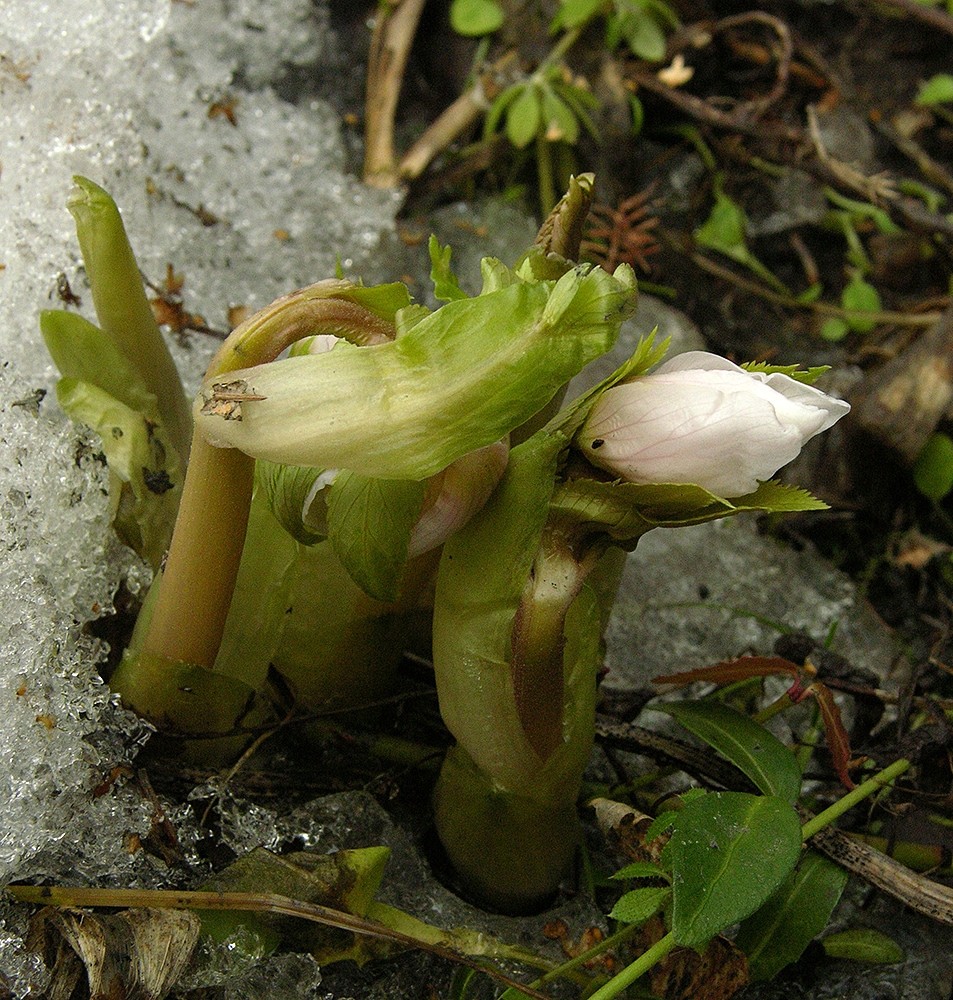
198	581
121	306
875	784
635	971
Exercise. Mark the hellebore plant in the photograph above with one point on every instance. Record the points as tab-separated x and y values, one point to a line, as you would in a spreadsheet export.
325	489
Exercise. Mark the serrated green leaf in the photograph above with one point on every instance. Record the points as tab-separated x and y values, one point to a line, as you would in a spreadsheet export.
863	945
661	824
640	869
778	933
636	906
446	287
524	117
369	524
937	90
729	854
807	375
773	497
750	747
475	17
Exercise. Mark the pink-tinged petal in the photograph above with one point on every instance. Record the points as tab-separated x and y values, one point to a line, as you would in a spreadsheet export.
701	419
456	494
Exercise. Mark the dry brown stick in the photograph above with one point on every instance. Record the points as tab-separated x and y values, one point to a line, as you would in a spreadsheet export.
922	12
458	117
919	893
394	32
254	902
758	107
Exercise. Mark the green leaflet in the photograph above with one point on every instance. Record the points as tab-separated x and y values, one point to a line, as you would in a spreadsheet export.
121	306
104	390
778	933
446	288
144	495
369	523
729	852
755	751
863	944
636	906
458	379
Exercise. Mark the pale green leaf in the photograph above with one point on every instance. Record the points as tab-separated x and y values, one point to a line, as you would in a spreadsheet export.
287	490
834	329
559	122
122	309
456	380
369	524
750	747
524	117
933	469
344	881
143	492
860	296
446	287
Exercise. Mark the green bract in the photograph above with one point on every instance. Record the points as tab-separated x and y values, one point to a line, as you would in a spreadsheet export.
452	381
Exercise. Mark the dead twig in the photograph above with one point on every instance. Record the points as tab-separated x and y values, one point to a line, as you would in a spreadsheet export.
754	109
932	16
394	31
253	902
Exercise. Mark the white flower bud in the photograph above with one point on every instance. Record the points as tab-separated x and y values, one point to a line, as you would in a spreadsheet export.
701	419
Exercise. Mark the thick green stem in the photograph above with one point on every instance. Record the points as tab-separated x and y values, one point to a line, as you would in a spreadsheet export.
198	581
